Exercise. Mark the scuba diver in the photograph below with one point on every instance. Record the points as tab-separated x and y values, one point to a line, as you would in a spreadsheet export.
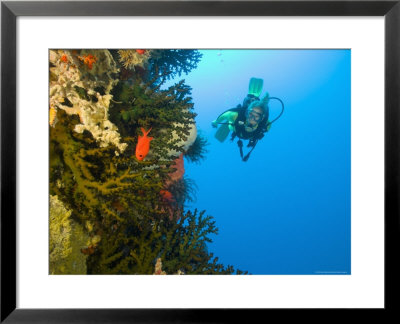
248	121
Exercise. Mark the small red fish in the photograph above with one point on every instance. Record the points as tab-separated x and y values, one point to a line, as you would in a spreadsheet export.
143	145
140	51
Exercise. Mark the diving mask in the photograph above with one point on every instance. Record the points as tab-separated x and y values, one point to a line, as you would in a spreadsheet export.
254	115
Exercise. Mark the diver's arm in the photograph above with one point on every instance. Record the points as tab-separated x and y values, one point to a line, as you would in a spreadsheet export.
227	117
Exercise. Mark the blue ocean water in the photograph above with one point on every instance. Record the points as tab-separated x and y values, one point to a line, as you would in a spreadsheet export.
287	209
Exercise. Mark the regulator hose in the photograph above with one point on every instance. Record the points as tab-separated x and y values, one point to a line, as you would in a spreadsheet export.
283	108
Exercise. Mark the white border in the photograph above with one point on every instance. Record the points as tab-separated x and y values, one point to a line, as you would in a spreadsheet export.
363	288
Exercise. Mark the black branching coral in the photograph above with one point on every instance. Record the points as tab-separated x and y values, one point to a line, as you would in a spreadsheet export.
131	212
197	151
173	62
168	112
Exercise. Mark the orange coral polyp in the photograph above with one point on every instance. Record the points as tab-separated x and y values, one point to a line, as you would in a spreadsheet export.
64	58
88	60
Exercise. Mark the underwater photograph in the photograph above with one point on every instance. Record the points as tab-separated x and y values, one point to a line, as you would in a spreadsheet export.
200	161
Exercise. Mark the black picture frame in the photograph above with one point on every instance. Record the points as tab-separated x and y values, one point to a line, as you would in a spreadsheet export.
10	10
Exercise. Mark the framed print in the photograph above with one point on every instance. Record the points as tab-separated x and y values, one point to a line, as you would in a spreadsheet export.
198	160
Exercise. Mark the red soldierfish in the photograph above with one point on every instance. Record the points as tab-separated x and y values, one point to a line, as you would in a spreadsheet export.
143	145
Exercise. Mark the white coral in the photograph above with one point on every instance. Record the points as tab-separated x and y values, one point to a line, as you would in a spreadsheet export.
131	58
186	143
69	73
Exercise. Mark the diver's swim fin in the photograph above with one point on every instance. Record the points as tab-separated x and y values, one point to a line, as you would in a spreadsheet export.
222	132
255	86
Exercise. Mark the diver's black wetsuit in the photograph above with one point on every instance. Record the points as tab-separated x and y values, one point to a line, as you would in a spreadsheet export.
239	126
240	129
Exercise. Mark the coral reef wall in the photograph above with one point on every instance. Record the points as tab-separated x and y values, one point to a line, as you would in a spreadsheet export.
67	238
110	212
80	83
